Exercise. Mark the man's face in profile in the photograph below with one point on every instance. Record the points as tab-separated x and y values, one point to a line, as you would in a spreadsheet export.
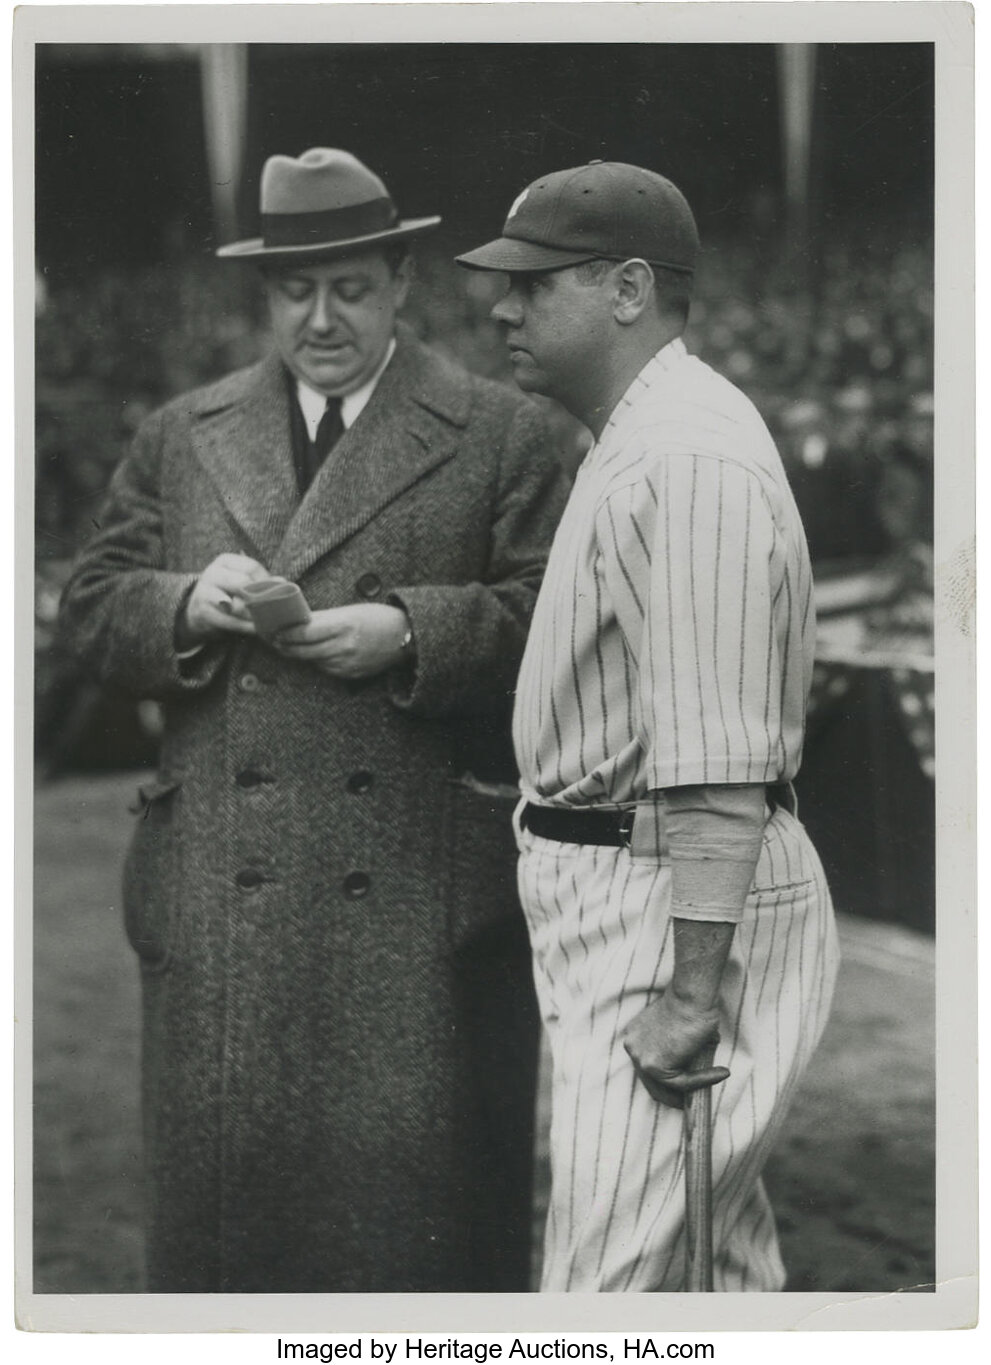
559	331
332	320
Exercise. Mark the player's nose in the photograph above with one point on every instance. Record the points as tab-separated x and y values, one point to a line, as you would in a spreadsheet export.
509	309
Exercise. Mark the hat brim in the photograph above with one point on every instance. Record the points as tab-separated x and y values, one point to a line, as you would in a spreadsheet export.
512	255
254	248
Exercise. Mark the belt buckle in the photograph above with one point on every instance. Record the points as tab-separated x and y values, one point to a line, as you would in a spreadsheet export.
626	827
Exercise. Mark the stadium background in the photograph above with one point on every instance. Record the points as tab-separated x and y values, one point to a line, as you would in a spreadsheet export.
811	172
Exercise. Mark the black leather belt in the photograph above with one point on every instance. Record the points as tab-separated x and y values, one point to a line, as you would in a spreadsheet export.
612	827
589	826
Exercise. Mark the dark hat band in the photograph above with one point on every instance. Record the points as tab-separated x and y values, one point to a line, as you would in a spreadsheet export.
328	225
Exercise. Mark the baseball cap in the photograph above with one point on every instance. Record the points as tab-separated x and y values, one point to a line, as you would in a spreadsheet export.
606	209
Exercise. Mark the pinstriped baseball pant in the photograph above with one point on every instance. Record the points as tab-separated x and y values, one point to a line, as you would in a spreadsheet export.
616	1214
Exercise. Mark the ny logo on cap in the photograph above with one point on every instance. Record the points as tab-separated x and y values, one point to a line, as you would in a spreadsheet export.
517	204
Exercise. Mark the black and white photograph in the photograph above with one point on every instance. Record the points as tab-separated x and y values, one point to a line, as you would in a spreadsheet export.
502	558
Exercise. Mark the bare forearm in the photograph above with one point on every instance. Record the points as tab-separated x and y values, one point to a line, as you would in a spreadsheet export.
701	948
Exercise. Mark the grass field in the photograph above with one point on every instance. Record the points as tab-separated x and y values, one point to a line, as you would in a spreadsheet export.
852	1180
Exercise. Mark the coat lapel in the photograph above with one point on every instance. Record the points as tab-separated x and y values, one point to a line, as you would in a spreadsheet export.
410	426
242	437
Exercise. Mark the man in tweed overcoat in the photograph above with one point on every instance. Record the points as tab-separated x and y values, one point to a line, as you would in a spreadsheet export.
339	1035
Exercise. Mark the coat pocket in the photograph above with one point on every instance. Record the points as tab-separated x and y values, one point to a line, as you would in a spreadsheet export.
151	877
481	858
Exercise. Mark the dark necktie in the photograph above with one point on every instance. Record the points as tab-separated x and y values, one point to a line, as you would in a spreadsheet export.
329	432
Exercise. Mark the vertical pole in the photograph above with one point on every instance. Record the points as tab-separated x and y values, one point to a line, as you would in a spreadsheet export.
224	76
797	80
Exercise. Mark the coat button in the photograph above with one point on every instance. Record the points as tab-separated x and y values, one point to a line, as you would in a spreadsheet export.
359	783
356	885
369	585
249	778
248	682
249	878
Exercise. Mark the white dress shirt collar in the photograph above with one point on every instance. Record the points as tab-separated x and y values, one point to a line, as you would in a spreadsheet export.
313	404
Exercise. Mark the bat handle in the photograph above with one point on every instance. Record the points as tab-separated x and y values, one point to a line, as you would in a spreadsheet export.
698	1181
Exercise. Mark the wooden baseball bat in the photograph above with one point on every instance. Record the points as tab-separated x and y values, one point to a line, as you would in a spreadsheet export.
698	1182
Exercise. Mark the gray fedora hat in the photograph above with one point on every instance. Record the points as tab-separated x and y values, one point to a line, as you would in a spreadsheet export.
323	203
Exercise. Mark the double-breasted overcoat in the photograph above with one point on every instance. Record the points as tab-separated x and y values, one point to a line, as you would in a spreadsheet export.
339	1039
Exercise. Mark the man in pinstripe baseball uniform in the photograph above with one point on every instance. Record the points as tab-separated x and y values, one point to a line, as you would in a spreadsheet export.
672	896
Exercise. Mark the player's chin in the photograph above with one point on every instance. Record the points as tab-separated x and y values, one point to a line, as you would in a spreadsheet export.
527	373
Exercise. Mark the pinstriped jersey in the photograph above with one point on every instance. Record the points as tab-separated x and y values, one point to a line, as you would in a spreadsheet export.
672	640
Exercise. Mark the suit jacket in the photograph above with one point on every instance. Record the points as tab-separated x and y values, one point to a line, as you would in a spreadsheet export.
321	897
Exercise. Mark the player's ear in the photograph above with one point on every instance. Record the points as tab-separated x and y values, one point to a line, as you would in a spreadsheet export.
634	291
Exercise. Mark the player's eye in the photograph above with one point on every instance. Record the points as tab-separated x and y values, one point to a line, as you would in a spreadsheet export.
526	285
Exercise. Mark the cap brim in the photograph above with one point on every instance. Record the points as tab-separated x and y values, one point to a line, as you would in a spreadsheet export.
513	256
254	248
